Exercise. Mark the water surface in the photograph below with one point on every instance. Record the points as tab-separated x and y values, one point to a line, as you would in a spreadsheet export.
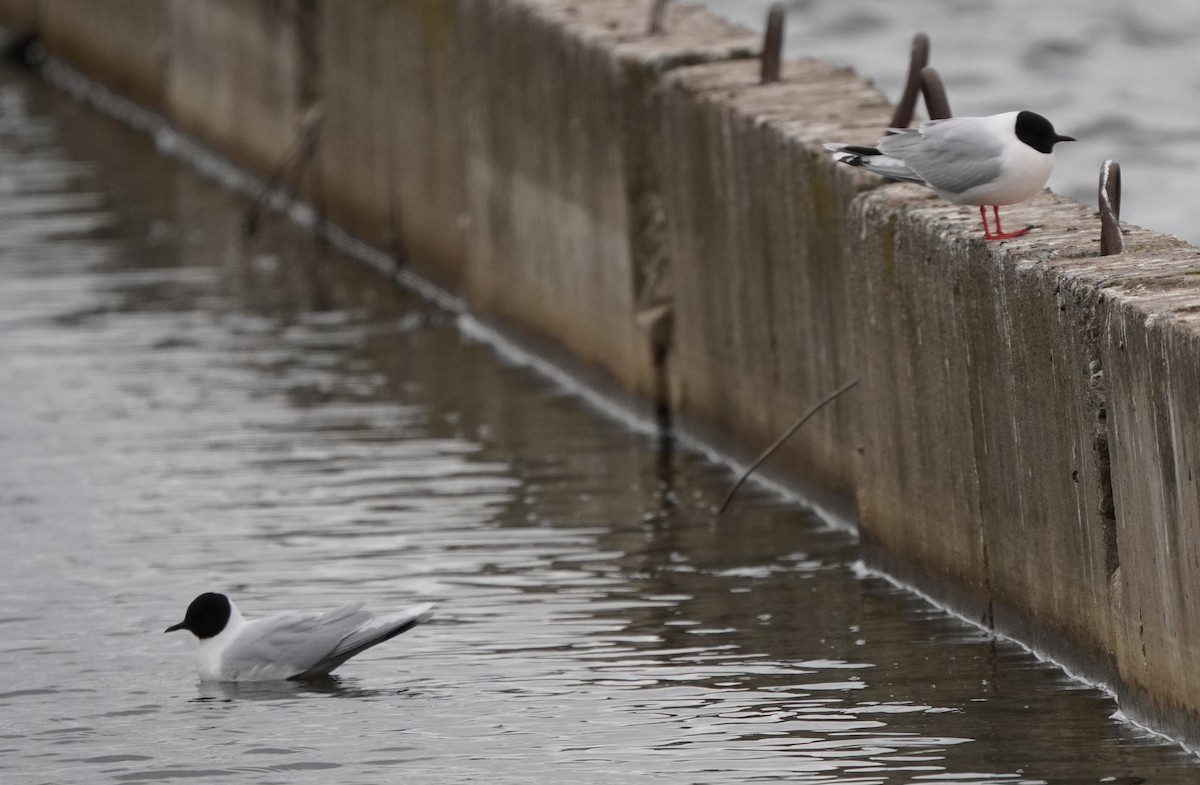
188	410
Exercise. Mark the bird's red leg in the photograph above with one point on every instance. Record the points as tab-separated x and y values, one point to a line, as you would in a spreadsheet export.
1000	234
987	233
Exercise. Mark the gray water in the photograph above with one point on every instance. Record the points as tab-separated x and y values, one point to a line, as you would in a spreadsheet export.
1123	77
187	410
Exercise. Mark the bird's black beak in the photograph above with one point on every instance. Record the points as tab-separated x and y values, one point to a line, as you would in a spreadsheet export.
173	627
1065	139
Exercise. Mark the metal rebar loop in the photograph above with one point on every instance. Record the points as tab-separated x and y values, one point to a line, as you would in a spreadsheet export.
1111	241
936	103
912	87
772	51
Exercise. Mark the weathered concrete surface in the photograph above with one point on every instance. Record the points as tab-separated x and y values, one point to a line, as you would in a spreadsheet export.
122	44
997	434
243	76
239	74
1152	361
391	151
566	238
763	302
978	414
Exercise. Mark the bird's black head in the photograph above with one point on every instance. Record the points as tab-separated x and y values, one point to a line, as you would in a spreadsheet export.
1037	132
206	616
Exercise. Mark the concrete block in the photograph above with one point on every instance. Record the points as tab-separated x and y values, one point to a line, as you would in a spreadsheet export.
983	481
391	153
1152	359
762	299
122	44
1027	446
566	238
243	76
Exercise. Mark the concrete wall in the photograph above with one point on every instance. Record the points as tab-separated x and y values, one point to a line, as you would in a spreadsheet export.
1024	441
122	44
998	410
762	300
391	153
238	73
981	408
243	75
1152	358
562	156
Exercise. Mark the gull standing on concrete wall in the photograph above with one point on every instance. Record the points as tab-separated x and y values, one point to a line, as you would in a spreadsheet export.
997	160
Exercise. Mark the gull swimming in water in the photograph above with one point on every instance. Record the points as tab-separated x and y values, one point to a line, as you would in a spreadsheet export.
285	645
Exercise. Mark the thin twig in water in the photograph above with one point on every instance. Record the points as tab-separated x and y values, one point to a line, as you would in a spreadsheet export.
287	176
779	442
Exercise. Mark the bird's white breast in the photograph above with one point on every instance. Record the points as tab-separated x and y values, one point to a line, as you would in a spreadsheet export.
208	654
1023	172
212	665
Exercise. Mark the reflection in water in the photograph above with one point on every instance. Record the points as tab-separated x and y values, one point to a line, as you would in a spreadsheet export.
327	686
188	411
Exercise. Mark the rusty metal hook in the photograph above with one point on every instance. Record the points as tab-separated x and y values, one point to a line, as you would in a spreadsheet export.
658	17
772	51
908	100
936	103
923	79
1111	241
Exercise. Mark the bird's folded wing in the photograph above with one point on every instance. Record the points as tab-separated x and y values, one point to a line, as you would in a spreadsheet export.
292	643
950	157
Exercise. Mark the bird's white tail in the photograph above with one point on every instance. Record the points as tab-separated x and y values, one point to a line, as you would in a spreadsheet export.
873	160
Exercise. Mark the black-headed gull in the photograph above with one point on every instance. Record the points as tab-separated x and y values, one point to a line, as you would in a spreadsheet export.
997	160
285	645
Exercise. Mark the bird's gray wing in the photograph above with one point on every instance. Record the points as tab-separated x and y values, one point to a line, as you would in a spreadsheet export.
368	635
289	644
952	155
